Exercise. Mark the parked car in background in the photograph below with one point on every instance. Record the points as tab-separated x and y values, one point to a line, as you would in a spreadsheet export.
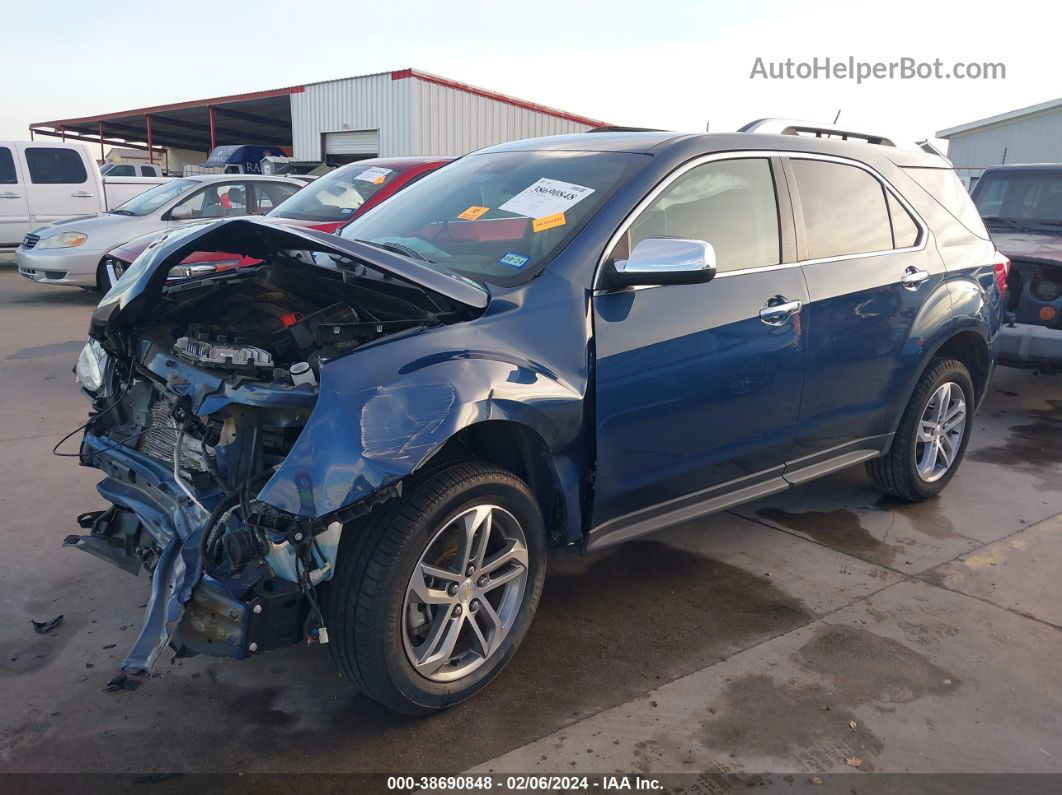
45	182
352	190
557	343
71	252
131	170
1022	206
327	204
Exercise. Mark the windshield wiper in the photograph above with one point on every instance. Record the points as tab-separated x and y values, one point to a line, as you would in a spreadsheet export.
121	212
397	248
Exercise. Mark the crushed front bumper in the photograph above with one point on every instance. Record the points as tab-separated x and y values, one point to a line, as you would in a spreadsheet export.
154	526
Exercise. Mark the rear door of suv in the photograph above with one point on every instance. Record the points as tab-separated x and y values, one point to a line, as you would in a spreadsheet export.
871	272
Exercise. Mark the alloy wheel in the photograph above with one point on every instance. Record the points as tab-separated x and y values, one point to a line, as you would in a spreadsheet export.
465	593
940	432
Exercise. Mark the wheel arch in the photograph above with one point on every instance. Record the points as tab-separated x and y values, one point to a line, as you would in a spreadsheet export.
520	449
971	348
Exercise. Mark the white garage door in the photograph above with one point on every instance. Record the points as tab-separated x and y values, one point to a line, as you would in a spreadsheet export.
358	142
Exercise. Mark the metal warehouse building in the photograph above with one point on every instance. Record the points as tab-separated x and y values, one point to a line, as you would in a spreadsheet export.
406	112
1027	135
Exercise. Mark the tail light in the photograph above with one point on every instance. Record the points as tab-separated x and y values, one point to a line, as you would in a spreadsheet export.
1001	267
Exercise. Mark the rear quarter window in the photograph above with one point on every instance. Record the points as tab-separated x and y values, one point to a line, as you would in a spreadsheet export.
948	191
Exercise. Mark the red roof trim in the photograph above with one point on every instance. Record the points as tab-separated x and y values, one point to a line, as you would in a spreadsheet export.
196	103
427	77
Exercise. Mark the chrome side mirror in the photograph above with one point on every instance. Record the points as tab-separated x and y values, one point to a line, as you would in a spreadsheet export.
182	212
665	260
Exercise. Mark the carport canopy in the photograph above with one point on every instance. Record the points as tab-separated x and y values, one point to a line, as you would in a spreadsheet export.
261	117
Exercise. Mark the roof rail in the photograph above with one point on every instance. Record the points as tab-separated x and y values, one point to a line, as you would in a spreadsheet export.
797	127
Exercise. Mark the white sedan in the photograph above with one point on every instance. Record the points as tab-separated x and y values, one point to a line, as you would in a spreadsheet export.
71	251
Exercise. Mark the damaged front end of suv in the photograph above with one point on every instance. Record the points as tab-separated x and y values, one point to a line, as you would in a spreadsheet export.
220	408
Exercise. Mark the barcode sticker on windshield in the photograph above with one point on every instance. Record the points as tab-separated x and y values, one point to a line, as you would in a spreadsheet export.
546	197
548	222
375	175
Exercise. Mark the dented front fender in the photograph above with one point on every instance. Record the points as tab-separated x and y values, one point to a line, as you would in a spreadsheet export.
383	410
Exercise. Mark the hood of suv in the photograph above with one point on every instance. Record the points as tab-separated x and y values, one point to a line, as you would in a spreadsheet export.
143	284
1045	248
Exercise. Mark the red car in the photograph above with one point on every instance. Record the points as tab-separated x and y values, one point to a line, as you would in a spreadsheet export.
326	204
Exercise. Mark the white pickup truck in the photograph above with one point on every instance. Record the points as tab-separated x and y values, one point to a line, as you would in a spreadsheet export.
45	182
131	170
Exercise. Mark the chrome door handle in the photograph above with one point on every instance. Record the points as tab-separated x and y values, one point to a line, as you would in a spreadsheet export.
82	194
10	195
912	278
778	310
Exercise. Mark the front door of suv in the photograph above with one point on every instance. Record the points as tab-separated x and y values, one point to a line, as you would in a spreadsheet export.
870	274
698	386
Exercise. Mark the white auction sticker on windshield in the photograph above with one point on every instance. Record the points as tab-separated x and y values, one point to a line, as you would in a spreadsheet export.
546	197
375	175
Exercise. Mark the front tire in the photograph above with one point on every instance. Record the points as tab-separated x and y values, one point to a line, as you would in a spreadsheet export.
932	436
435	590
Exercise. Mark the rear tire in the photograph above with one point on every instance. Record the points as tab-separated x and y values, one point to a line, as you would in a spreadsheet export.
932	436
402	584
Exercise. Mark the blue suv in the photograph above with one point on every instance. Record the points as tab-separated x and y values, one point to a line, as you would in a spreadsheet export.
375	440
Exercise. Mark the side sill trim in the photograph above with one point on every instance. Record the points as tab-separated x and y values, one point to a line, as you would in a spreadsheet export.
727	495
629	527
823	463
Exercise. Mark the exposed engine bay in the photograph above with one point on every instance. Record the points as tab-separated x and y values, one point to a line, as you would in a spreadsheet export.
200	401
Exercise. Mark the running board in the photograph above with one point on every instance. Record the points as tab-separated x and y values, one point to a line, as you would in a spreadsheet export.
728	495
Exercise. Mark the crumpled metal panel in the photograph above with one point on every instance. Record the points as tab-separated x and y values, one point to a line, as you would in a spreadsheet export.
384	409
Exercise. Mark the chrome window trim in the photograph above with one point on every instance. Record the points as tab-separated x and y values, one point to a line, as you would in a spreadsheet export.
923	228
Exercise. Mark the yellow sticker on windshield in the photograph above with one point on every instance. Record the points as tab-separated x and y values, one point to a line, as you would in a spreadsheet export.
472	213
548	222
379	180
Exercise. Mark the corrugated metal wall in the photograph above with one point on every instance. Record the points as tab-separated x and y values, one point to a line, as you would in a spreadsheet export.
1035	139
372	102
448	121
413	116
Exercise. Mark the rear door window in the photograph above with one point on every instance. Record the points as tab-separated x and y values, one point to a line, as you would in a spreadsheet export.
8	175
147	171
54	166
845	212
269	194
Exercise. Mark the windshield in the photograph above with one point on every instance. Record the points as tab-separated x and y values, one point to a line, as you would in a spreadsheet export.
498	217
336	196
151	200
1027	197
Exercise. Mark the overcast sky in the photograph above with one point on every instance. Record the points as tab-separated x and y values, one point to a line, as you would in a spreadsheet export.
665	63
